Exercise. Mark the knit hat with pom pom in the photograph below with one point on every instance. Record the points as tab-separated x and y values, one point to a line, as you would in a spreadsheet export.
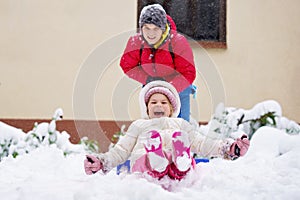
153	14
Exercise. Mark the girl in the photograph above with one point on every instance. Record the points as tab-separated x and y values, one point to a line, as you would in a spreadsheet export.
159	52
160	143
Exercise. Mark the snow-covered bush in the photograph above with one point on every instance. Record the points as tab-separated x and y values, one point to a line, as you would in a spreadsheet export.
15	142
228	120
117	136
91	146
11	141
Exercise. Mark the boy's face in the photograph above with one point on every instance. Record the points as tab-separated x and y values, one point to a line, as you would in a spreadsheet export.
151	33
159	106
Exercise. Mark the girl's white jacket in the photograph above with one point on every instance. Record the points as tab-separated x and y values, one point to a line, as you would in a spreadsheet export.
131	145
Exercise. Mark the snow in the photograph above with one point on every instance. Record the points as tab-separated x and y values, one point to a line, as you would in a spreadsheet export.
263	108
270	170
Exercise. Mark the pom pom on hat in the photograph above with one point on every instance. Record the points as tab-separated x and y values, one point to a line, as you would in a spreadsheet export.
153	14
164	91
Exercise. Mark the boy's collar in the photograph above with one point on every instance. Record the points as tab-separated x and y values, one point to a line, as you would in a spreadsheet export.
163	37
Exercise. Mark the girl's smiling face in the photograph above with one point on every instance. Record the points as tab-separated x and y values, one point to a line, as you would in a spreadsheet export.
159	106
151	33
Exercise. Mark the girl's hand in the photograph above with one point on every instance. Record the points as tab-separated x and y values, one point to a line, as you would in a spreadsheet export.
92	164
239	147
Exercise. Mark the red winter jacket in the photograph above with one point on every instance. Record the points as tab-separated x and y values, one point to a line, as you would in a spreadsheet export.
140	60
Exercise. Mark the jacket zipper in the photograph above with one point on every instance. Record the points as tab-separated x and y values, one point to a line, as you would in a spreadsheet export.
152	56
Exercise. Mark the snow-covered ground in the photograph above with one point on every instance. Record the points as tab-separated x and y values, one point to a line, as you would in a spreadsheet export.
270	170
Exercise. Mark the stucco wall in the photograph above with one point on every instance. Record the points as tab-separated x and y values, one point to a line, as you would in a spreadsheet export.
45	45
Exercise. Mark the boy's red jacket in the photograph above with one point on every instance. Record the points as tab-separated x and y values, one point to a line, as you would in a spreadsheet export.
140	60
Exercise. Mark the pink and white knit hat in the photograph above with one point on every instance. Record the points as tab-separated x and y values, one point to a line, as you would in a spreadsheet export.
164	91
162	87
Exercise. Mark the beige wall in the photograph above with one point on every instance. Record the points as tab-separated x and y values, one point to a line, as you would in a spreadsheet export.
44	46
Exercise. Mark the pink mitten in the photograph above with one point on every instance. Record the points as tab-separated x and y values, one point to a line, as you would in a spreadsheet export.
239	147
92	164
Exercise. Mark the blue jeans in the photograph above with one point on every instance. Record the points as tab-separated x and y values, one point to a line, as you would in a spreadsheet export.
185	102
